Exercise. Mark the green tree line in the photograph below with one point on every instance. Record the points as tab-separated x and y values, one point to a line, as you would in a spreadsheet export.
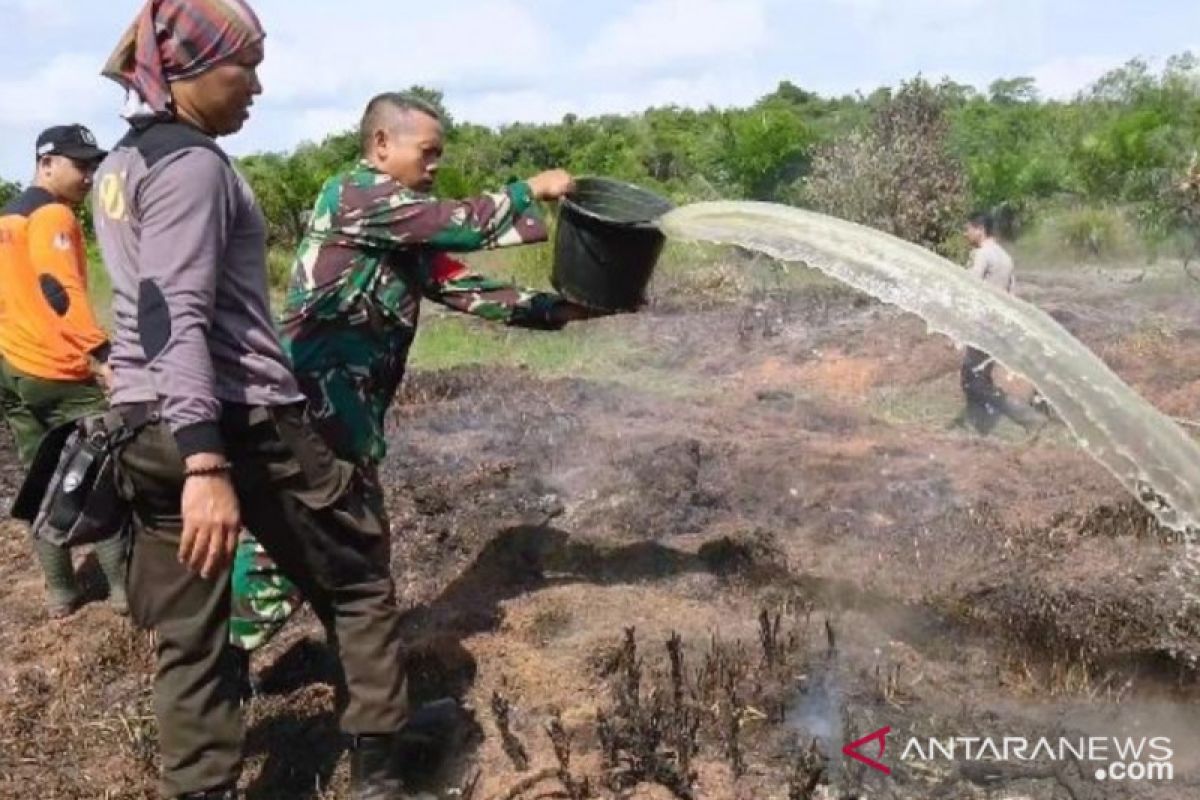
910	159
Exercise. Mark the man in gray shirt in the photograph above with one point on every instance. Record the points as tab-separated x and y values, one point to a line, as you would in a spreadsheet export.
986	402
989	261
222	436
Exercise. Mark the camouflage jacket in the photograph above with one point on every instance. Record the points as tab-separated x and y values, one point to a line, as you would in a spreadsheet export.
372	249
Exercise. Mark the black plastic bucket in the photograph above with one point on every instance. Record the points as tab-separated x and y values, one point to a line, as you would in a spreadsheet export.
606	244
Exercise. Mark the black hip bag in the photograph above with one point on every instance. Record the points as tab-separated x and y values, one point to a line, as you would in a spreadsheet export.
70	495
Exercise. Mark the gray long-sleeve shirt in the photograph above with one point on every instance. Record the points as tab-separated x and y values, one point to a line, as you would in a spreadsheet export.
185	243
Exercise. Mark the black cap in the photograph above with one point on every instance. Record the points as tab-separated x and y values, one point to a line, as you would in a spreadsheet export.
72	141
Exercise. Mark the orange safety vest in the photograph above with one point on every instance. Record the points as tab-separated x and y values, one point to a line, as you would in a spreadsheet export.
47	328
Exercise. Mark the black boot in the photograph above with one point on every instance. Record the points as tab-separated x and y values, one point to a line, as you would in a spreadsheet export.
375	769
430	735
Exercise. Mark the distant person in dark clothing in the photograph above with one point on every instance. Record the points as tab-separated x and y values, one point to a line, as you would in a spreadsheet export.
986	402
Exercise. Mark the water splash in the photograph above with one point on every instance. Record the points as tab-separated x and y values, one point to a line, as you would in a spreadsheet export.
1146	451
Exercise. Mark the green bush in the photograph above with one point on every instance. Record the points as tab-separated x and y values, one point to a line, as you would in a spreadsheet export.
1082	234
527	265
899	175
99	284
1096	233
279	267
8	191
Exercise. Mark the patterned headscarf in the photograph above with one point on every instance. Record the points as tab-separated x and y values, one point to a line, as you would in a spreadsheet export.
174	40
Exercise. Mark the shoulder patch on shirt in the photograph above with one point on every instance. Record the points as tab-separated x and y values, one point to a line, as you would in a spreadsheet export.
110	196
161	139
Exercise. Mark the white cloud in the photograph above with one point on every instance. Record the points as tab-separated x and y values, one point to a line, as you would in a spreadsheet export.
720	89
1063	78
662	33
494	108
313	53
68	87
535	105
38	14
521	105
907	36
501	61
909	8
495	62
923	17
314	124
274	128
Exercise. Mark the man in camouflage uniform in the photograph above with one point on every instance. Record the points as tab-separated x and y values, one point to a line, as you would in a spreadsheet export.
377	244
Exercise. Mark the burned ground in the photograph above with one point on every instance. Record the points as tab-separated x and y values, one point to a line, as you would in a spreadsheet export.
705	591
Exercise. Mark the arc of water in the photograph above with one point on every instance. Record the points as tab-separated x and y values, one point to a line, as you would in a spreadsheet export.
1145	450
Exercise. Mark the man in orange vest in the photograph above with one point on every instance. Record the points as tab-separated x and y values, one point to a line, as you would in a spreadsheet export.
53	354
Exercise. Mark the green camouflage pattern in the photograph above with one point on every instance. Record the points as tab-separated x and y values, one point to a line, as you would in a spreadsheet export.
372	250
263	599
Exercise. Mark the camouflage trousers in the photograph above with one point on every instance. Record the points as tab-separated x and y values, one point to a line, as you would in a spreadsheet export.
263	599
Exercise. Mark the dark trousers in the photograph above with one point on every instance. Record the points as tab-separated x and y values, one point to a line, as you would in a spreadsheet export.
330	537
986	402
32	407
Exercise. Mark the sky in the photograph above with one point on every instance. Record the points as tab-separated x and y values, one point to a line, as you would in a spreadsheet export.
500	61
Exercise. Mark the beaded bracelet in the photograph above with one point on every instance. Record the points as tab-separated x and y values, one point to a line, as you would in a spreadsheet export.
201	472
